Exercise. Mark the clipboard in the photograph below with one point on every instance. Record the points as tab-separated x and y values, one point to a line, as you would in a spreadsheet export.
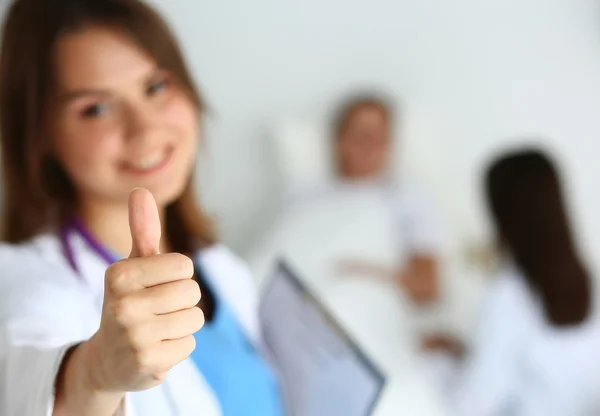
322	371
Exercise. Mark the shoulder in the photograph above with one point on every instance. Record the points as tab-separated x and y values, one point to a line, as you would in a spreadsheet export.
220	257
29	261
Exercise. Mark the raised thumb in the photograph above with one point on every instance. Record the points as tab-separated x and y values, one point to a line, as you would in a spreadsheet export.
144	223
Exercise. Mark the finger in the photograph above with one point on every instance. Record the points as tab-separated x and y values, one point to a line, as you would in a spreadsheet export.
180	324
132	275
144	223
157	360
172	352
172	326
169	297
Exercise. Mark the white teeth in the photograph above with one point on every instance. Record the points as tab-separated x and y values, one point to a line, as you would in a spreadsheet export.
149	162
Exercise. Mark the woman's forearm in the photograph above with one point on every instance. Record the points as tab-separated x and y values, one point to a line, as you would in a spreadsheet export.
75	390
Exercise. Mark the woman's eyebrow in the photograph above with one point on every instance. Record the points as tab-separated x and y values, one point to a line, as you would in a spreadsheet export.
82	93
100	92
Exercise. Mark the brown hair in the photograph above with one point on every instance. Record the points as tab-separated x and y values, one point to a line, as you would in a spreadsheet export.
38	195
526	203
358	102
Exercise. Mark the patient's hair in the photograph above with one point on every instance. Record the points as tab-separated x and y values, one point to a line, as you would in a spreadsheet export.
358	102
38	195
527	206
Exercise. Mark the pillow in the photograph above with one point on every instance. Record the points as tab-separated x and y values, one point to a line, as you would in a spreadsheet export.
303	151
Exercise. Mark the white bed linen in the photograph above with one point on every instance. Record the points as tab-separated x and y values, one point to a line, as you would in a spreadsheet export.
313	237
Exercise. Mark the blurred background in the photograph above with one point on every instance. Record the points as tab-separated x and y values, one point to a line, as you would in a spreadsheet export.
473	76
470	78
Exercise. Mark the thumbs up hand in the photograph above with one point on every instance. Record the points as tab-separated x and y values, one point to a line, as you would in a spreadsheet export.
149	313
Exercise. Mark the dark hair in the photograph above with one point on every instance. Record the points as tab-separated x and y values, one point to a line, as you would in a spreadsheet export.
37	192
527	206
358	102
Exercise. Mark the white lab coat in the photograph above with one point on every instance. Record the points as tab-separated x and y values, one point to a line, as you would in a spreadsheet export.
45	307
523	366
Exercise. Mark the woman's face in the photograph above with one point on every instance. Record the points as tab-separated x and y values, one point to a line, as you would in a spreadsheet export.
363	149
119	121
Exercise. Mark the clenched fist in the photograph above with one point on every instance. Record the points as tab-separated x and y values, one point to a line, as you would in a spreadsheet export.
149	314
149	317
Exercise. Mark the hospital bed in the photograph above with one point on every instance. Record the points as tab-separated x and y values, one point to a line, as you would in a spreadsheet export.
313	237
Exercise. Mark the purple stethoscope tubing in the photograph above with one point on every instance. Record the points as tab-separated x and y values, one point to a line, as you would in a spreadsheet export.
76	225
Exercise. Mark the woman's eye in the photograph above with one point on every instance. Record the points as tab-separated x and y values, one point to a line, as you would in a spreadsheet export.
96	110
157	87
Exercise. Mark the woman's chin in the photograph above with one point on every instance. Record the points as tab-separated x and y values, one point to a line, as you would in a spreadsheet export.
166	188
166	193
166	197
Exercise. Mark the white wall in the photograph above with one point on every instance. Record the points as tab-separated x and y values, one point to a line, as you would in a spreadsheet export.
482	71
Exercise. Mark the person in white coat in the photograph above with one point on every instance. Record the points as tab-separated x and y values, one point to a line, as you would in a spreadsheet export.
538	343
96	100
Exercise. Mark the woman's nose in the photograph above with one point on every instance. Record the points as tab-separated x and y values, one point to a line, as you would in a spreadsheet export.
140	122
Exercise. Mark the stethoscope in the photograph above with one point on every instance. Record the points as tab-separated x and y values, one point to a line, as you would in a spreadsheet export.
76	226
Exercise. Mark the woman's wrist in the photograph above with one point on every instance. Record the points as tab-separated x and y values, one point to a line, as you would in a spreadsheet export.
78	391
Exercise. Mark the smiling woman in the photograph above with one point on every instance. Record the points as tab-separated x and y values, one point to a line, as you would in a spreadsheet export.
121	105
100	103
112	133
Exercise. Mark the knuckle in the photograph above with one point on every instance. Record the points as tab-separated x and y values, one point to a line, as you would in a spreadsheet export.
117	276
137	336
144	361
182	264
124	311
198	319
191	289
189	345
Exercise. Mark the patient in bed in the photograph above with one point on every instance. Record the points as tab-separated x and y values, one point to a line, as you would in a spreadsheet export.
362	139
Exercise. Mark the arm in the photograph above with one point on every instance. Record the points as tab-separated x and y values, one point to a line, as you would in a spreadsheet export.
43	366
76	392
419	279
50	381
149	316
421	232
